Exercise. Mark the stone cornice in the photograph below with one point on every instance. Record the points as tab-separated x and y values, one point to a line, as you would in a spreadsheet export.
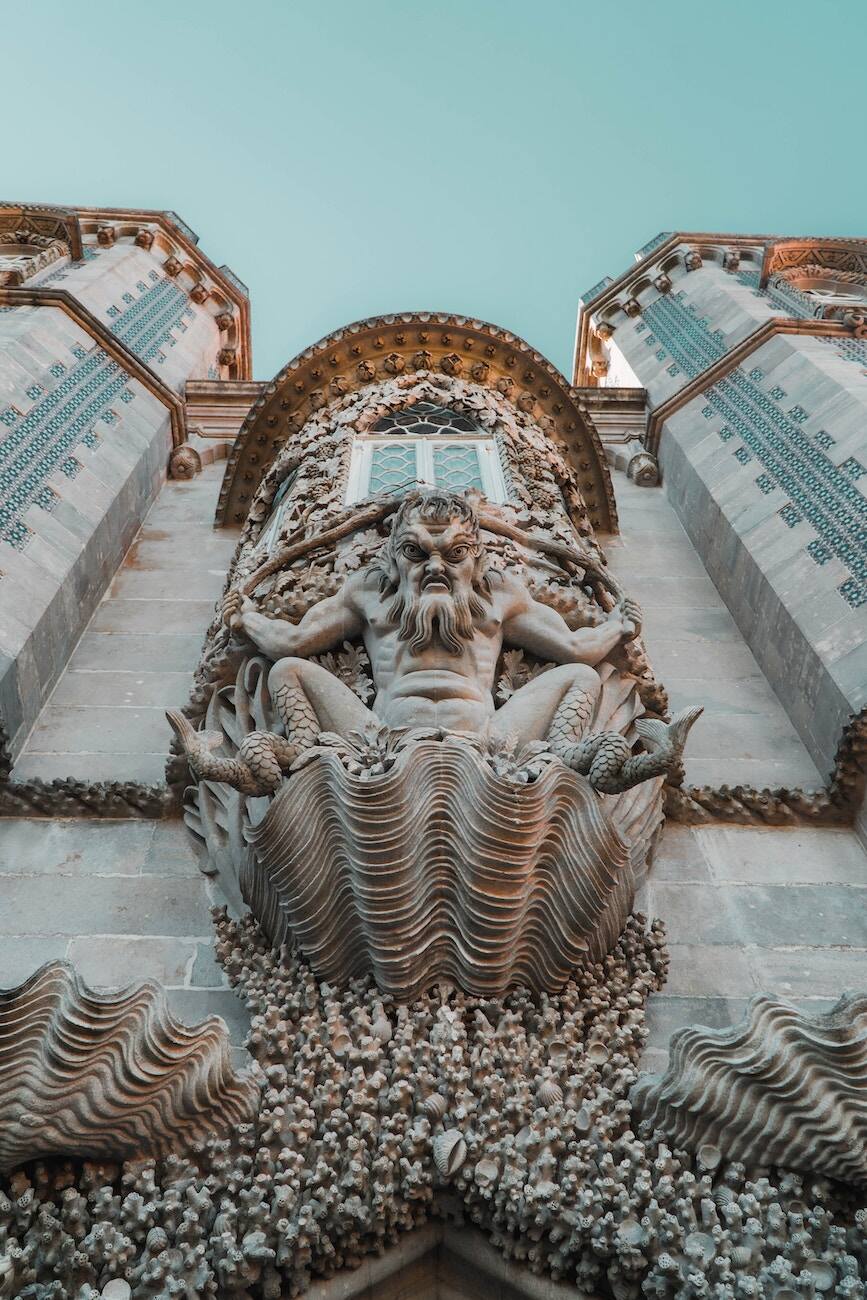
767	330
774	253
384	346
182	237
62	300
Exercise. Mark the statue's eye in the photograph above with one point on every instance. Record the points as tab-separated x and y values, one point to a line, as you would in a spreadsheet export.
457	553
412	552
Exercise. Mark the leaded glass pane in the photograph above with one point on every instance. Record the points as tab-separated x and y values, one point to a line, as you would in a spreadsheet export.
392	468
456	467
271	529
426	418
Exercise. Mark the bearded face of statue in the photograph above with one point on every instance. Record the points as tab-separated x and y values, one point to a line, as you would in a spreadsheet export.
439	592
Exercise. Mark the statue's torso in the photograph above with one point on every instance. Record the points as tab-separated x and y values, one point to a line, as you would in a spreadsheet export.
432	687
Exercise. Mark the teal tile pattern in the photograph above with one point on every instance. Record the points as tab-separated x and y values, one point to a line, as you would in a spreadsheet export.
72	398
146	325
824	494
40	442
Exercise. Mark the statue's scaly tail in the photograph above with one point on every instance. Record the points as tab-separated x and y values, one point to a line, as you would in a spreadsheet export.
258	769
606	758
297	714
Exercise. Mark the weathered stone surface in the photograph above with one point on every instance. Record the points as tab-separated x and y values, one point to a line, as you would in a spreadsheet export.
149	905
105	720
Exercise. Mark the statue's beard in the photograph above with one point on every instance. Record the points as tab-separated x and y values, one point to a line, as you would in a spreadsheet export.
445	617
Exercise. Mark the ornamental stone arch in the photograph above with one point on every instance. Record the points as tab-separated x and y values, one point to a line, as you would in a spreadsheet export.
432	346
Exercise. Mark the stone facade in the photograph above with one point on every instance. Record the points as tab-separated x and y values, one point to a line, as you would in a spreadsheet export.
413	720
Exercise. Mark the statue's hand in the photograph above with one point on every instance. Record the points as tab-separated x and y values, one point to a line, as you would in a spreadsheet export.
235	606
628	615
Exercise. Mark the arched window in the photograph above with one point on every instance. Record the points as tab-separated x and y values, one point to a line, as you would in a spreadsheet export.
425	445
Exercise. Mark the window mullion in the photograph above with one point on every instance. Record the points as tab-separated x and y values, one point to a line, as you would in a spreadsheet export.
424	463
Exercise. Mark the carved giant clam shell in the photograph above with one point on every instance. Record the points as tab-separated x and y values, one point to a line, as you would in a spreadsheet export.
441	870
780	1088
109	1075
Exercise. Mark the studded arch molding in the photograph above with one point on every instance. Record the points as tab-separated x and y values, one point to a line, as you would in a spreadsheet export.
386	346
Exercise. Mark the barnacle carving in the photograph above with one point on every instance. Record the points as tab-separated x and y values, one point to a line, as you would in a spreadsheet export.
109	1074
780	1088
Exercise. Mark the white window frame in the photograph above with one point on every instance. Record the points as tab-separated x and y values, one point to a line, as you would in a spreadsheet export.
493	482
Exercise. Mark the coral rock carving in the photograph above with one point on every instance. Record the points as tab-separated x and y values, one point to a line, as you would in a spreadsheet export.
512	1115
780	1088
108	1074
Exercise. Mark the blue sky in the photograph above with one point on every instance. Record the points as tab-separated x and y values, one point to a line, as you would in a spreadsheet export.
489	157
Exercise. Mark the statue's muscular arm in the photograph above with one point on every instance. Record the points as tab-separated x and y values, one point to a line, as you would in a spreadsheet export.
530	625
326	625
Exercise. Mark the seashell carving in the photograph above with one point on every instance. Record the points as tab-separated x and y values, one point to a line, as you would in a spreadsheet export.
449	1152
486	1172
116	1289
550	1093
109	1074
434	1107
440	870
709	1156
780	1088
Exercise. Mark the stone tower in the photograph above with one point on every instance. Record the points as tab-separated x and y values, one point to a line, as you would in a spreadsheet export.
752	353
104	318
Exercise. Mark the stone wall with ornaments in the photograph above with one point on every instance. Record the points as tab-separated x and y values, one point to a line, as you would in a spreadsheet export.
86	430
83	450
762	443
127	289
767	470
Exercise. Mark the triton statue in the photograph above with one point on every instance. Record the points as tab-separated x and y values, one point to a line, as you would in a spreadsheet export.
434	618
